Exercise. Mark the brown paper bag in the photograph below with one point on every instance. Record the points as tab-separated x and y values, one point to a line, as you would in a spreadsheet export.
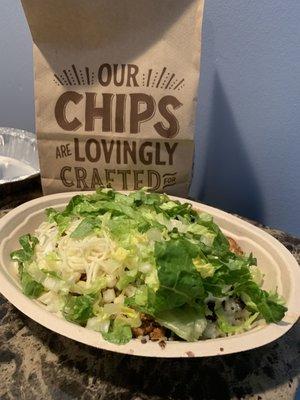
115	92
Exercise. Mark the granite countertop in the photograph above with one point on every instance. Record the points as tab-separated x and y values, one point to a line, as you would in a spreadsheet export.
36	363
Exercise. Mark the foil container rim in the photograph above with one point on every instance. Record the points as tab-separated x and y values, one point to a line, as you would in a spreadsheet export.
19	144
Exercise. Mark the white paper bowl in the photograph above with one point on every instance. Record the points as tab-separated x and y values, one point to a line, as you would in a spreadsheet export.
280	268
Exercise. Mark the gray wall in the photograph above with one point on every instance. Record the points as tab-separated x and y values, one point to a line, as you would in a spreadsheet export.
248	139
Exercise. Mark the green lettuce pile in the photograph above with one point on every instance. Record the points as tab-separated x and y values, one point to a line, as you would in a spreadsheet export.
176	262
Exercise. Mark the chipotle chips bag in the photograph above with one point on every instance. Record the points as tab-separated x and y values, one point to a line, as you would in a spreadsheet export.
115	92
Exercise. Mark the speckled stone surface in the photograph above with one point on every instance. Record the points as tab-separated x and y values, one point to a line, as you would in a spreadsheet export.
36	363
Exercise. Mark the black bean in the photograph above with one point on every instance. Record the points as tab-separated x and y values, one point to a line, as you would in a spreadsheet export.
211	305
211	318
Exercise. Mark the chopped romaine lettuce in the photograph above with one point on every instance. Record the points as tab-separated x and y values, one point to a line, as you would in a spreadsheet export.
78	309
118	333
30	287
108	258
185	321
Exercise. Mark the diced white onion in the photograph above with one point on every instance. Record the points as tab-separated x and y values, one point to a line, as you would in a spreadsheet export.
108	295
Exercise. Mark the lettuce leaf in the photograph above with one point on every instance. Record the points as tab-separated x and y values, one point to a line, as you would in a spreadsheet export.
141	197
24	256
53	274
180	288
78	309
228	328
102	207
179	281
85	228
28	243
30	287
126	279
185	321
268	306
90	206
118	333
103	194
62	219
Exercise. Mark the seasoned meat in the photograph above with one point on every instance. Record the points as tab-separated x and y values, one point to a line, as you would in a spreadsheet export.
149	327
158	333
234	247
136	332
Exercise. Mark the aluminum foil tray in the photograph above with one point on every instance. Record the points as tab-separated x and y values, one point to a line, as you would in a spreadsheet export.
18	155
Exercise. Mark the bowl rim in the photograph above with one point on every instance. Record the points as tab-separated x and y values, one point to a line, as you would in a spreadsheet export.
174	349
